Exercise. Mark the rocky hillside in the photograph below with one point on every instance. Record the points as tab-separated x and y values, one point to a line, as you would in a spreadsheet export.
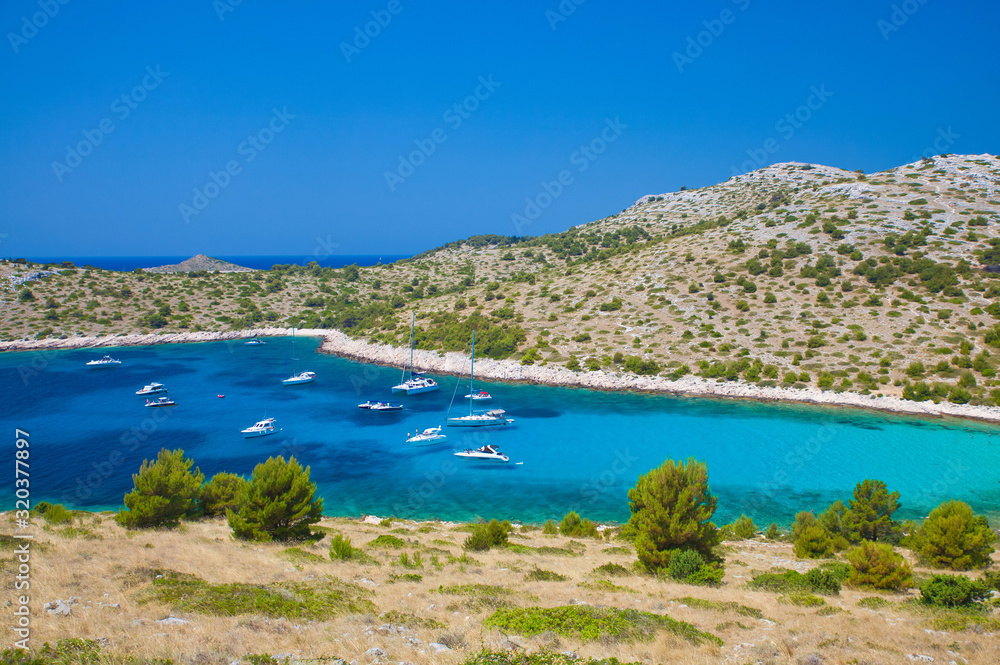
200	262
795	275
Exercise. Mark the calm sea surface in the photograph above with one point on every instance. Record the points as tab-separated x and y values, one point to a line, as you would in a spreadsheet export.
577	450
258	262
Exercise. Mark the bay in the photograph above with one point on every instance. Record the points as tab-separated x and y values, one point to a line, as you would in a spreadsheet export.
570	449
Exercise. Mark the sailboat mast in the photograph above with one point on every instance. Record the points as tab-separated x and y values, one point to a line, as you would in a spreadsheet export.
472	369
412	322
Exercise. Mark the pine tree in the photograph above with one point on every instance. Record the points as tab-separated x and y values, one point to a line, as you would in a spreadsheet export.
953	537
671	510
870	516
222	493
277	504
164	491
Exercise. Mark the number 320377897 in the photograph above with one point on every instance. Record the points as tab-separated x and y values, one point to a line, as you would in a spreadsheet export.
21	474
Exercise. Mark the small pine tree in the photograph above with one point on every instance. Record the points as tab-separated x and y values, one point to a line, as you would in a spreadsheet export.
953	537
164	491
672	508
809	539
222	493
277	504
742	528
773	533
550	528
877	566
870	516
489	535
573	525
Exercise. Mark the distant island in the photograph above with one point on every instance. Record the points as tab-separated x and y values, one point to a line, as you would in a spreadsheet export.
199	263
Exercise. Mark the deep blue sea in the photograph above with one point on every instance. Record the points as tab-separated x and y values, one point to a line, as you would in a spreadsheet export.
263	262
579	450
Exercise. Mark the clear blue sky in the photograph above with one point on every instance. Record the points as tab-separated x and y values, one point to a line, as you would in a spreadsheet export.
321	183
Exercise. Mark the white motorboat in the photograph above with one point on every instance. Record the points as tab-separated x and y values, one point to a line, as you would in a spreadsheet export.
491	418
487	453
254	342
152	389
429	436
417	383
381	406
260	428
479	396
301	377
106	361
163	401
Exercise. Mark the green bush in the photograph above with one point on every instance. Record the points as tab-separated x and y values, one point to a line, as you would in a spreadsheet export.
707	575
809	539
742	528
818	580
684	563
164	491
877	566
385	540
222	493
953	537
953	591
341	548
572	525
550	528
54	514
672	508
277	504
486	536
539	575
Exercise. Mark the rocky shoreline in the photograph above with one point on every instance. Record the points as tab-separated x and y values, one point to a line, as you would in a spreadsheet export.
337	343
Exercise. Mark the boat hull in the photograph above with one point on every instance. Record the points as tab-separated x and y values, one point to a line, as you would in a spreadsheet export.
257	435
463	422
483	459
414	391
427	441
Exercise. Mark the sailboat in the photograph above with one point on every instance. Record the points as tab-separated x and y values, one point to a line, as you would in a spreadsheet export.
301	377
491	418
417	383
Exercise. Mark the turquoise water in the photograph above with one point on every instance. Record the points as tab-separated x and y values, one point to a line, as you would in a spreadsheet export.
579	450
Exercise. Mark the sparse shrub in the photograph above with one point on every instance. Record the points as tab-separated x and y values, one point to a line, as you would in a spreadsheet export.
341	548
953	591
388	541
54	514
539	575
277	504
877	566
489	535
572	525
810	540
742	528
772	533
672	508
550	528
953	537
164	491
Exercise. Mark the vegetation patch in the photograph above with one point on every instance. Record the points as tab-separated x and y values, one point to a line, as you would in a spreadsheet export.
873	602
540	575
486	657
594	623
802	600
816	580
388	542
410	620
324	597
606	586
299	555
73	651
612	570
722	606
485	596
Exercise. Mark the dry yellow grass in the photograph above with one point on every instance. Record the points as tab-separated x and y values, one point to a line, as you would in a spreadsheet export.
110	574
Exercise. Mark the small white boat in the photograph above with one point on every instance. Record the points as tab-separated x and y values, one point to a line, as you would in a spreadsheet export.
417	383
381	406
163	401
301	377
106	361
254	342
152	389
427	437
479	396
488	453
260	428
491	418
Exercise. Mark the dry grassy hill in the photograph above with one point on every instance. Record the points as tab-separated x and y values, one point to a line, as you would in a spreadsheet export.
195	595
795	274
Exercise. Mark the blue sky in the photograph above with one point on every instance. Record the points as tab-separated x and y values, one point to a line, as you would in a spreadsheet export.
274	128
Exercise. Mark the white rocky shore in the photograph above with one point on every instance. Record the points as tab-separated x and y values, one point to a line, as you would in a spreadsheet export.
337	343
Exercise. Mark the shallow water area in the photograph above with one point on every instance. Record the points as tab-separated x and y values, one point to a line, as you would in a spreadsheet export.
570	449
